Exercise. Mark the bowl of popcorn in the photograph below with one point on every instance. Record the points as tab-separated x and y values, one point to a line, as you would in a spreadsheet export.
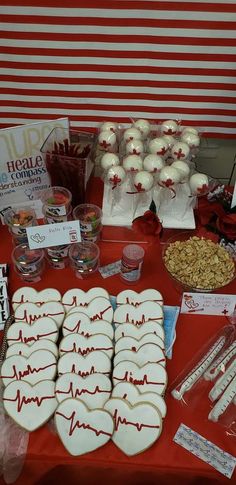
197	264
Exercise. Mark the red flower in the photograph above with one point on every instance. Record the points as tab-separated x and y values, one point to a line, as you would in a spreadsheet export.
148	224
226	224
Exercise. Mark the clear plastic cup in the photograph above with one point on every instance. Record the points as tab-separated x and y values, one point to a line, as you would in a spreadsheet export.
90	218
56	201
49	218
18	220
57	256
84	258
28	263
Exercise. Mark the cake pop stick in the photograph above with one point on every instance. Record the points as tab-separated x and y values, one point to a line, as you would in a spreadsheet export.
143	182
115	178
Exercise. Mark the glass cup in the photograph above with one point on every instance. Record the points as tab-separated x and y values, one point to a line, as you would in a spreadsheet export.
28	263
84	258
57	256
90	218
56	201
18	220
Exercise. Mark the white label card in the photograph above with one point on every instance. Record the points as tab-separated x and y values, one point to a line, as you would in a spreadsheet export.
208	304
233	202
53	234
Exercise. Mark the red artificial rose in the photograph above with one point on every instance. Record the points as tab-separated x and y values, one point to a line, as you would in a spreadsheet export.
148	224
206	210
227	226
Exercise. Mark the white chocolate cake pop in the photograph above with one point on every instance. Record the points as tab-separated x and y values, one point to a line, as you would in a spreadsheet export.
169	176
143	181
143	126
191	139
199	184
159	146
169	127
133	163
190	129
106	139
116	176
132	134
109	160
180	151
183	168
153	163
109	126
170	140
134	147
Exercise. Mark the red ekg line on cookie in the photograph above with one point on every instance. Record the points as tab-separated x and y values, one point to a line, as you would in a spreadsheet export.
74	424
139	426
140	382
81	373
139	302
19	375
99	316
143	320
32	318
21	400
75	329
75	303
35	338
86	350
78	392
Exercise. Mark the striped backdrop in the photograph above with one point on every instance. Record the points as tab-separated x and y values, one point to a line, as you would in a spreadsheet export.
116	60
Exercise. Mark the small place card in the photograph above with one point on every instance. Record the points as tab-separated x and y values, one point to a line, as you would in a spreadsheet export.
53	234
233	202
208	304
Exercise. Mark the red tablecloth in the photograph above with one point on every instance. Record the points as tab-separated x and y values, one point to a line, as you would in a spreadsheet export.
165	462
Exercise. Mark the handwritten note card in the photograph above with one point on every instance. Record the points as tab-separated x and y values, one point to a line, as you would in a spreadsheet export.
208	304
49	235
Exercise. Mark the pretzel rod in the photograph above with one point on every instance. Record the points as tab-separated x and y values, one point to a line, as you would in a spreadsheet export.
225	400
219	364
199	369
223	382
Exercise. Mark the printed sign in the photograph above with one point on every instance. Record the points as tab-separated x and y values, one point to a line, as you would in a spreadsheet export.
49	235
208	304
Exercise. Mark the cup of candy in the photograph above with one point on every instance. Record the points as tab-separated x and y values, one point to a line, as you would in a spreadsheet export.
28	263
84	258
56	204
57	256
18	220
90	218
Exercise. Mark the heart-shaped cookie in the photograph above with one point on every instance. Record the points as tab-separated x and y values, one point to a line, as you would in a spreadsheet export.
81	323
92	363
145	312
82	345
26	294
37	367
30	406
43	328
27	350
130	343
136	427
94	390
98	309
80	298
80	429
30	312
146	353
129	392
134	298
148	378
130	330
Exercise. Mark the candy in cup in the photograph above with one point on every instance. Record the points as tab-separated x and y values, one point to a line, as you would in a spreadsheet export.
28	263
115	178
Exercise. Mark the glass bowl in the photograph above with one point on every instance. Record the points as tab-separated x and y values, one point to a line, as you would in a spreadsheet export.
197	264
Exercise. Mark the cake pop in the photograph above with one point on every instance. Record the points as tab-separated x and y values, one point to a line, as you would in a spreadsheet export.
109	126
170	140
153	163
169	176
190	129
183	169
116	176
191	139
134	147
106	139
133	163
159	146
143	181
180	151
199	184
143	126
169	127
132	134
109	160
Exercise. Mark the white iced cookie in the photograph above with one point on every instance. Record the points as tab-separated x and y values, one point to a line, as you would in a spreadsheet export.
80	429
81	323
141	356
30	312
26	294
148	378
130	330
132	297
82	345
40	365
77	297
136	427
96	361
94	390
129	392
130	343
98	309
27	350
145	312
43	328
30	406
